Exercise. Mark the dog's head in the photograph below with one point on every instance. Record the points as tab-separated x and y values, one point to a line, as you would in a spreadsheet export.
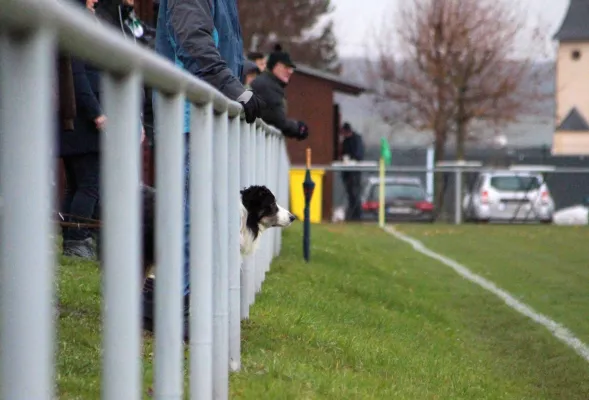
262	209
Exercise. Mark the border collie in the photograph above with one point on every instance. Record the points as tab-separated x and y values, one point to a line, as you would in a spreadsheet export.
259	212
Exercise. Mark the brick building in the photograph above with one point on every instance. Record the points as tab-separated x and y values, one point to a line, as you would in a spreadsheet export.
309	97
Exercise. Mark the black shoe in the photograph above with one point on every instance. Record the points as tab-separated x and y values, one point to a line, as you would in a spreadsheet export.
148	309
79	248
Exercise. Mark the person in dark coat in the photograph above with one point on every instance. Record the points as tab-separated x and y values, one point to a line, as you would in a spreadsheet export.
269	86
352	149
79	150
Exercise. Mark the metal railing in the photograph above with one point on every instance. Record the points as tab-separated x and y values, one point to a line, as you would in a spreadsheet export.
459	190
226	155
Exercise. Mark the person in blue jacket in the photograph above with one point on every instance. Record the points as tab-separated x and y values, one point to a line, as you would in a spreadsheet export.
204	38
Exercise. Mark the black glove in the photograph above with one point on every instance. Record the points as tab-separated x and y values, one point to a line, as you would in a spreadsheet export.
303	131
252	106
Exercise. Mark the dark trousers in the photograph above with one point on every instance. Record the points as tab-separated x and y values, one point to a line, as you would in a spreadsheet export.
82	174
352	182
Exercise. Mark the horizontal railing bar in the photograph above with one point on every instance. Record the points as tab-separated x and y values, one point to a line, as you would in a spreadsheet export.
81	35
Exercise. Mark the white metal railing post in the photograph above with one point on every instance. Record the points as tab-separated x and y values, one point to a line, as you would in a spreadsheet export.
272	185
280	182
234	258
261	180
220	259
120	197
26	247
268	183
201	252
252	259
284	178
169	233
245	161
277	172
277	186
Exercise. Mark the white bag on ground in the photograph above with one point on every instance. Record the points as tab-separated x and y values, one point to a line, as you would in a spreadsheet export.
575	215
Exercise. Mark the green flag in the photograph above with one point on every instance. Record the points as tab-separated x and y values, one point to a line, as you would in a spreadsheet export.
385	151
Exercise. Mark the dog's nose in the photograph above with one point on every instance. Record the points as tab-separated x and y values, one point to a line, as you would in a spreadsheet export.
292	217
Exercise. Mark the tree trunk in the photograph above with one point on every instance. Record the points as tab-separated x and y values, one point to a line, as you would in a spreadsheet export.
439	182
460	125
460	139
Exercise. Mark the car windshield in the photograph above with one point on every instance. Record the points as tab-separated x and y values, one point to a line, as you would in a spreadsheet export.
400	192
515	183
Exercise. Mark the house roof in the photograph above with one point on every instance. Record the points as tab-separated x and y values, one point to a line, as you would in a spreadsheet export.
575	26
574	121
339	84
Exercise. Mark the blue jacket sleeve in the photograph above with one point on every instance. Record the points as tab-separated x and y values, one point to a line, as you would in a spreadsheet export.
85	98
193	29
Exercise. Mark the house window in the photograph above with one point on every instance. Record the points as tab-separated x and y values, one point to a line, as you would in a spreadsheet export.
575	55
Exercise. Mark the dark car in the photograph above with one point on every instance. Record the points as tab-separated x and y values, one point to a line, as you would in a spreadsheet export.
405	200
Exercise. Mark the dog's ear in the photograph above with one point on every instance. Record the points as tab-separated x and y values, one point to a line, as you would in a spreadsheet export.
255	197
248	197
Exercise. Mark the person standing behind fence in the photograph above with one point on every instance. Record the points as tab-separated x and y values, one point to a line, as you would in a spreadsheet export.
79	150
204	38
250	72
259	59
270	87
352	149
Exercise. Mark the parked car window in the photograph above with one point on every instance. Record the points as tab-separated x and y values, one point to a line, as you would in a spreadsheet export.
515	183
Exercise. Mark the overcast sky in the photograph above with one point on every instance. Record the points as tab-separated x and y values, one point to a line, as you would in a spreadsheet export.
354	18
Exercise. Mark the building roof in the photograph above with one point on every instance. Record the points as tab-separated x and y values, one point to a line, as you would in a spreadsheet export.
339	84
574	121
575	26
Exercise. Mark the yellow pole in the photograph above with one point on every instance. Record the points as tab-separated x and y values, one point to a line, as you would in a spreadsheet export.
381	199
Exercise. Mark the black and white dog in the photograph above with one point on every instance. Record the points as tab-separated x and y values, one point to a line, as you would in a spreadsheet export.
259	212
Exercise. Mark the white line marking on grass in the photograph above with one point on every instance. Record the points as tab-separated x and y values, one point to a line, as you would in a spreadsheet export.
558	331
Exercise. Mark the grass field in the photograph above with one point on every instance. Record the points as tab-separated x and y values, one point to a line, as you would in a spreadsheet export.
369	318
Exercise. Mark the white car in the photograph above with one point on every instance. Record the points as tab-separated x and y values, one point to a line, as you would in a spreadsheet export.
509	196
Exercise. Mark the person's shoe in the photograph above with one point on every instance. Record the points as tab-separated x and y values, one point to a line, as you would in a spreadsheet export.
79	248
148	307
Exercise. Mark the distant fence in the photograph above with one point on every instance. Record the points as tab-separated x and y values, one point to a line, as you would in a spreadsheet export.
567	186
567	189
226	154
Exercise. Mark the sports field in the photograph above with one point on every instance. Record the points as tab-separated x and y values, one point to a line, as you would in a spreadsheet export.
371	318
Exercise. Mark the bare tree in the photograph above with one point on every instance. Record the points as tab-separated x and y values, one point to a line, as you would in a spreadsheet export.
447	63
